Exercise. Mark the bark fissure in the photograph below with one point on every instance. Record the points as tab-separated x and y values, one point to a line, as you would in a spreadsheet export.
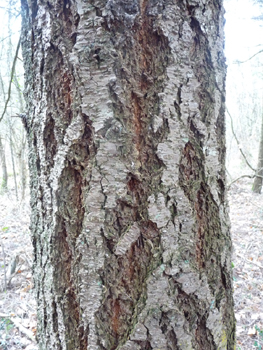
126	290
126	138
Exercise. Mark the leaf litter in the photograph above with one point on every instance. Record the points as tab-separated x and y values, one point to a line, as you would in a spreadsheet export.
17	302
246	215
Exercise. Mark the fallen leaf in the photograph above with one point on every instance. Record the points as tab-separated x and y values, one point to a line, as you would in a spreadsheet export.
27	288
252	331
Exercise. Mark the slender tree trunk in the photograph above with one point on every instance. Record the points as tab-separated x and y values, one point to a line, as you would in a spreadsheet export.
126	132
22	146
23	169
2	150
22	166
257	185
4	168
13	158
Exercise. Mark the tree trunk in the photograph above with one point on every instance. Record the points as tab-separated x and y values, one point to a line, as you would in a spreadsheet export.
23	171
4	168
126	132
21	154
22	165
12	157
257	185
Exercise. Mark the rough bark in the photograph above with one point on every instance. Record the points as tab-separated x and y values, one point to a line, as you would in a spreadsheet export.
126	134
257	184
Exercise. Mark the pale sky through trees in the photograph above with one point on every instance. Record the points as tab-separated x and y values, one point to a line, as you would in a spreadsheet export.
243	39
243	34
244	84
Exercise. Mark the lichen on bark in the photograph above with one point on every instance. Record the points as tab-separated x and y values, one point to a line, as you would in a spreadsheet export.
126	135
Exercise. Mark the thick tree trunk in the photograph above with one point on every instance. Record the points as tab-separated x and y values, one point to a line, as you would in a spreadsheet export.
3	185
257	185
126	134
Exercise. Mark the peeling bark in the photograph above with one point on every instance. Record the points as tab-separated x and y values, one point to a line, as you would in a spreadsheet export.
127	159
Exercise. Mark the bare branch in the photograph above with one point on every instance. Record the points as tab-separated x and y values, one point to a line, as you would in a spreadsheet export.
9	36
18	323
238	143
16	13
11	78
240	177
237	62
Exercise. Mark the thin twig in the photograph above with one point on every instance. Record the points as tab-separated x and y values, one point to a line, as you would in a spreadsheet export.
9	36
228	173
258	206
11	78
250	262
22	329
240	177
250	57
235	136
17	322
16	14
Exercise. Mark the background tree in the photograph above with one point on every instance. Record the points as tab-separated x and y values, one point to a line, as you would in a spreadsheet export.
257	185
125	124
11	100
4	169
244	100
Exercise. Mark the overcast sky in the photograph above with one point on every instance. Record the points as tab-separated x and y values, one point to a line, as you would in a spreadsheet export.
243	34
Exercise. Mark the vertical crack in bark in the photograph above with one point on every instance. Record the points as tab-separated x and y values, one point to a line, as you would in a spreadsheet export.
192	180
197	165
195	313
71	213
141	69
203	335
55	325
151	273
59	82
57	76
208	235
50	142
70	202
167	329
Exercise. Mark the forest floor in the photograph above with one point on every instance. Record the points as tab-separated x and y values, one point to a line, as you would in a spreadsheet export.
246	215
18	307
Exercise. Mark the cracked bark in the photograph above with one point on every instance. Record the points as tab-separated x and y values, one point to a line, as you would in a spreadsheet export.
127	148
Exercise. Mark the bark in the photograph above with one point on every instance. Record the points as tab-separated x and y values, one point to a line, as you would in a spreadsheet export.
257	185
4	168
126	132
